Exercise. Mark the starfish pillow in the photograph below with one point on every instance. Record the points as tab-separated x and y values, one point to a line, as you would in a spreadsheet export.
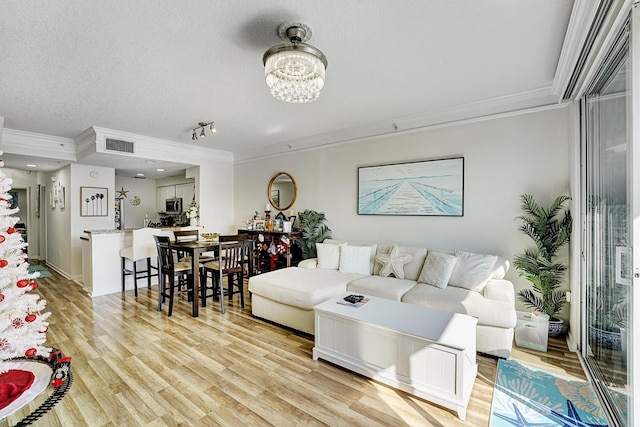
393	262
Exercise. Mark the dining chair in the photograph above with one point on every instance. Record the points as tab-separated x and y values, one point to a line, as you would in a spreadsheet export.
169	269
142	248
231	262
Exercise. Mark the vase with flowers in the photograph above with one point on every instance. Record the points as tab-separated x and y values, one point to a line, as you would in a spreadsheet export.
193	213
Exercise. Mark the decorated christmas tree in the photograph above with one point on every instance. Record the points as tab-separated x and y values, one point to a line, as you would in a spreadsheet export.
23	324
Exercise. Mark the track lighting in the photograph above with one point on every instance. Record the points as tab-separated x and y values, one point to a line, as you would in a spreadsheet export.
201	126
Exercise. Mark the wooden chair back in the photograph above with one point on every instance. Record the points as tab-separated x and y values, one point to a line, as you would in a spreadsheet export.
165	254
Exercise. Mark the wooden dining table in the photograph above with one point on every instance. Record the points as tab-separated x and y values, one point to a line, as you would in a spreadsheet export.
195	249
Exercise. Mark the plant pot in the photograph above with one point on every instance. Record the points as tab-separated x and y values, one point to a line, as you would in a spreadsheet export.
193	221
555	327
605	339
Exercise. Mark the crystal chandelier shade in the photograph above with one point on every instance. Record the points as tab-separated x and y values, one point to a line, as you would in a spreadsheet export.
295	72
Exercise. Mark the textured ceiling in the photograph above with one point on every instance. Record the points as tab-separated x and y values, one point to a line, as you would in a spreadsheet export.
156	68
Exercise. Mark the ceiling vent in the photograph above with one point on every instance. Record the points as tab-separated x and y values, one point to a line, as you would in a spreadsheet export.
120	146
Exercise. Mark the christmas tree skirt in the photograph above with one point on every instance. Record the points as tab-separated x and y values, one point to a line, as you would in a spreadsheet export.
43	272
41	378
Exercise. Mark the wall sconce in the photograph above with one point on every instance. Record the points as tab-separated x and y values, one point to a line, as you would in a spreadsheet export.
200	128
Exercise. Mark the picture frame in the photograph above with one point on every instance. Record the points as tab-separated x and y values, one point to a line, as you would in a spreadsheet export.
259	224
94	201
36	209
53	199
418	188
61	197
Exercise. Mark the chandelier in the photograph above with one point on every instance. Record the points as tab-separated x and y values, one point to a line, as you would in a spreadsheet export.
294	71
200	128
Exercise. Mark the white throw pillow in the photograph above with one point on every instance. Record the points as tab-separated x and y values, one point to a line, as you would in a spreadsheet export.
328	256
472	271
437	269
355	259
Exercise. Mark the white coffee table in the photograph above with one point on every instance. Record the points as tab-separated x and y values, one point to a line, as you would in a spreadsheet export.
428	353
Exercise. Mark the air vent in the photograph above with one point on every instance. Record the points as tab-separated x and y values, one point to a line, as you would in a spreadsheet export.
120	146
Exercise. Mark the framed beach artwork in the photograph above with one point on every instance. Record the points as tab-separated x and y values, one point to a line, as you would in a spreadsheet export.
94	201
422	188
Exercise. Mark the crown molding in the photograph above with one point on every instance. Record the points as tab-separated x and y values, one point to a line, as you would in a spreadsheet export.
160	149
480	109
38	145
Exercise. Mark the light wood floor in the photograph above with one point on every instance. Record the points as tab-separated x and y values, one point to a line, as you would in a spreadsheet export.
134	366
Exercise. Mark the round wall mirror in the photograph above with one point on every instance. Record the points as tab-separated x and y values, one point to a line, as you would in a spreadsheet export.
282	191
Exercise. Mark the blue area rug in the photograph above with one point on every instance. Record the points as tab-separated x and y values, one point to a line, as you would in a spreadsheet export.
525	396
43	272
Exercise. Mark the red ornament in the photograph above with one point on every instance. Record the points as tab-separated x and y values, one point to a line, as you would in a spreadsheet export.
3	263
30	318
34	285
1	297
11	230
2	238
22	283
30	352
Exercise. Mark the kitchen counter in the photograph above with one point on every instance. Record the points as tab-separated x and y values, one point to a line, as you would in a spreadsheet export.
101	262
128	230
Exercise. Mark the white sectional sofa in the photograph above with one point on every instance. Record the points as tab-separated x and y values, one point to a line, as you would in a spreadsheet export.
460	282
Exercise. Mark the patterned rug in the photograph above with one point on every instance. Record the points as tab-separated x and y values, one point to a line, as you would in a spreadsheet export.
43	271
525	396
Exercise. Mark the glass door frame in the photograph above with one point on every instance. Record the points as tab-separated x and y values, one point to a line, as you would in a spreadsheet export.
633	200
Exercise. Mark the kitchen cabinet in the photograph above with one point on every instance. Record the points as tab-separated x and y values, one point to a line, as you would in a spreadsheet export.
187	192
162	194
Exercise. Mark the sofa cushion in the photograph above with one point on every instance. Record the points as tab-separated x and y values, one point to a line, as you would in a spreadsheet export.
412	269
437	269
472	271
500	268
383	287
328	256
489	312
301	287
355	259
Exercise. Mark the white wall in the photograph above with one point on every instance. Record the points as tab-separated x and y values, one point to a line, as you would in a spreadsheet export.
505	156
58	224
215	192
145	189
28	180
81	176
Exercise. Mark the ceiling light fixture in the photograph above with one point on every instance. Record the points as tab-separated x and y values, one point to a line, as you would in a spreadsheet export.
294	71
201	126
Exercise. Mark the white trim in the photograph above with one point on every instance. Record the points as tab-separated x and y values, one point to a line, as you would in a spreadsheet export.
410	131
29	143
580	22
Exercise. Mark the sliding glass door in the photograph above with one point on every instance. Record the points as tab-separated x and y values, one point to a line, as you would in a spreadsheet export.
608	234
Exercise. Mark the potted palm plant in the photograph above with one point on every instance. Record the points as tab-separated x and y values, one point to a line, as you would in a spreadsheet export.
314	230
550	229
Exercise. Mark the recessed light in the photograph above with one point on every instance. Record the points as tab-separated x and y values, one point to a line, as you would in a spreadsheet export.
159	170
139	174
30	165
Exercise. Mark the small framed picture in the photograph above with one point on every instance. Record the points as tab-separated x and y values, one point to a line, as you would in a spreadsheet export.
258	224
94	201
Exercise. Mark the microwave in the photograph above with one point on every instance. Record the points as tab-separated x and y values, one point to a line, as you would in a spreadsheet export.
173	206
